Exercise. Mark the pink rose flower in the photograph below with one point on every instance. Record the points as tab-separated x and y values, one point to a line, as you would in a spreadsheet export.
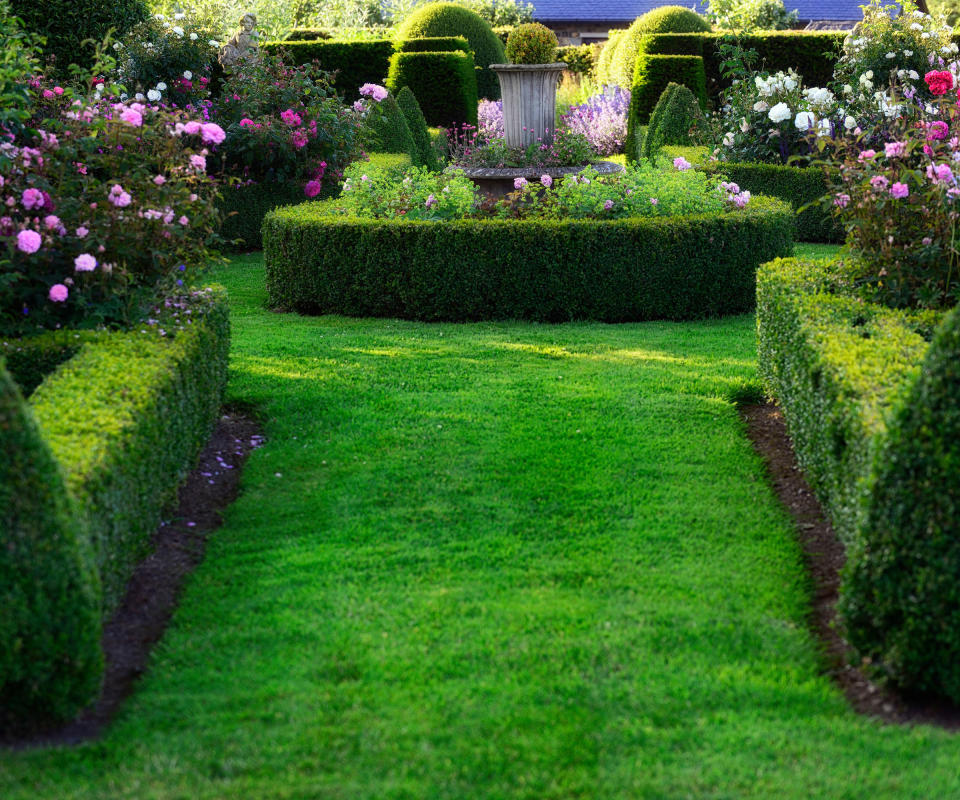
81	232
29	241
546	180
211	133
312	189
607	205
159	180
199	163
191	128
865	155
519	183
85	263
32	198
291	118
373	90
841	200
131	117
682	164
58	293
894	149
51	221
899	190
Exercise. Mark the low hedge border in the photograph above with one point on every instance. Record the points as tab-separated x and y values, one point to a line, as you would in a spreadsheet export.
545	270
871	408
29	360
122	422
243	207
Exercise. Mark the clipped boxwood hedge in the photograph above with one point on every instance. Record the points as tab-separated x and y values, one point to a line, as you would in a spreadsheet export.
434	44
444	84
355	63
548	270
243	208
88	468
650	78
871	407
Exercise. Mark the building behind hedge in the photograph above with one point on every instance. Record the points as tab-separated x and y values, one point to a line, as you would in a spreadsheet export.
576	22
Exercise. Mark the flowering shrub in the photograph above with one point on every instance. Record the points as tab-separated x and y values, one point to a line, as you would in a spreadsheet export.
490	119
771	118
21	54
900	205
103	207
467	148
750	15
602	119
890	47
282	123
643	191
167	59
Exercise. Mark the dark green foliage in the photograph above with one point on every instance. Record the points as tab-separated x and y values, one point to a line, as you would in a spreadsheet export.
434	44
445	85
615	271
31	359
243	207
580	60
651	77
67	23
423	147
389	130
811	53
125	418
675	120
448	19
531	43
307	34
355	63
50	659
901	599
872	411
798	186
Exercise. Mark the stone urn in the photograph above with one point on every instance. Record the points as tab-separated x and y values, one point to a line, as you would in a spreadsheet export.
529	94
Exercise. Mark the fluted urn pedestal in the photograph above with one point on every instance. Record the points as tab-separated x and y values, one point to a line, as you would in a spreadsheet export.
529	93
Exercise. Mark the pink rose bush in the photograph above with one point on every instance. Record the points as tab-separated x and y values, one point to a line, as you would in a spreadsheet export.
87	231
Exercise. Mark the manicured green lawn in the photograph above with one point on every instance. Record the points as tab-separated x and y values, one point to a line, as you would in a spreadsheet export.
492	561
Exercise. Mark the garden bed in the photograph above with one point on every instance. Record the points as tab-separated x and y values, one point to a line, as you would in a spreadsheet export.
546	270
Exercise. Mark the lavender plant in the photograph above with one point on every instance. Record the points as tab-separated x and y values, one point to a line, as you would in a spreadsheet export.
602	119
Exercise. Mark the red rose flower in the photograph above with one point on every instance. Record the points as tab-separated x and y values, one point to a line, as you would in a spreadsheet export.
940	82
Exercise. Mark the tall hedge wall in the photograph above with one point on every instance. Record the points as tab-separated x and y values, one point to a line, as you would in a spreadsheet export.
356	63
657	268
444	84
650	78
871	408
433	44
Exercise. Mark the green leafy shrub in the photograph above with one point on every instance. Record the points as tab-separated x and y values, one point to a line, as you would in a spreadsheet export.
652	75
355	63
448	19
445	85
21	59
50	659
126	417
802	187
605	59
901	599
676	120
549	270
871	407
66	24
423	145
532	43
308	34
580	60
666	19
434	44
386	129
751	15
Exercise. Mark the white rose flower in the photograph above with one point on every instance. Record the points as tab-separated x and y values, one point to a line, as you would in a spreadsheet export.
179	15
728	139
117	45
913	75
916	26
213	43
849	123
139	97
789	84
177	30
869	74
153	95
193	37
891	55
780	112
908	53
161	87
924	35
805	121
761	106
824	128
188	75
744	125
847	89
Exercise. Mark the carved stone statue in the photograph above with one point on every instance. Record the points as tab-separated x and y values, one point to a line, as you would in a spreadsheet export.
243	45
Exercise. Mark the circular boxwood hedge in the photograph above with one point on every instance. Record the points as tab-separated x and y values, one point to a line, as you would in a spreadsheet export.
67	23
447	19
684	267
666	19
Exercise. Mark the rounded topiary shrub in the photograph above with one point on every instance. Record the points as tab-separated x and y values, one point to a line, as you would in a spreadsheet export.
901	594
532	43
605	59
666	19
388	129
67	23
425	155
447	19
50	658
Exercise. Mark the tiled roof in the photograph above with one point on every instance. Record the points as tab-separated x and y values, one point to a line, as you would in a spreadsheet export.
629	10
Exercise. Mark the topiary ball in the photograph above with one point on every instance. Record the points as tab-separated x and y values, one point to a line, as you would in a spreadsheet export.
447	19
67	23
666	19
532	43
